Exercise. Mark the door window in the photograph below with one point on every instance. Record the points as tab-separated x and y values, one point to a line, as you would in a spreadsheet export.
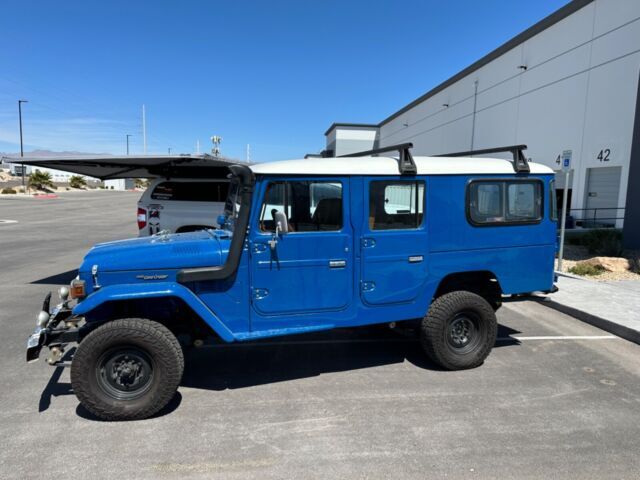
396	205
309	205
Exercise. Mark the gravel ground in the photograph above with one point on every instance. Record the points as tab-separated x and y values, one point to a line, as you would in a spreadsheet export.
575	253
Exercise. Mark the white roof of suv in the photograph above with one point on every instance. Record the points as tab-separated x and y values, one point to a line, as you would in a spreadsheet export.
389	166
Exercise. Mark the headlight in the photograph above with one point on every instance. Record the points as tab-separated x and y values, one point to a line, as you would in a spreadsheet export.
63	293
78	289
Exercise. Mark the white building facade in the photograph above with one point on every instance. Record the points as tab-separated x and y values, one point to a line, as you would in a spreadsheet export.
566	86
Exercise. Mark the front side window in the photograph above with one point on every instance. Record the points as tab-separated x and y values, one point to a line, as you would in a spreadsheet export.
396	205
505	202
191	191
308	205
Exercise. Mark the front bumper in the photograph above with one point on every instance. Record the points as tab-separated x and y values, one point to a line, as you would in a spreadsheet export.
57	332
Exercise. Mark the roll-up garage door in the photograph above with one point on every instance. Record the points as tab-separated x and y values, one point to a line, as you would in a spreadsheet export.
603	187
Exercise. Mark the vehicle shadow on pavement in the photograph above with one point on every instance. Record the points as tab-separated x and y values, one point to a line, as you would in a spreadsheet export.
233	366
240	365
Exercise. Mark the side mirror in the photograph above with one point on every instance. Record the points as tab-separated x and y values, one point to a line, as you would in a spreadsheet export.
280	221
221	221
282	227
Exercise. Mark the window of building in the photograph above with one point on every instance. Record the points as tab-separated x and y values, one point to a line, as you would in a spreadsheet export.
495	202
191	191
309	205
396	205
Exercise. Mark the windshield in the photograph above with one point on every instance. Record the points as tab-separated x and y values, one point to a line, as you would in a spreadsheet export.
232	204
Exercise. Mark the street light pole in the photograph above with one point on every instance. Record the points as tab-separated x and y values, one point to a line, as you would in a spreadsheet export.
20	102
128	135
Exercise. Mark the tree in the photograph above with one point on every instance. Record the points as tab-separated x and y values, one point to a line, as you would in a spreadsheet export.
41	180
141	183
77	181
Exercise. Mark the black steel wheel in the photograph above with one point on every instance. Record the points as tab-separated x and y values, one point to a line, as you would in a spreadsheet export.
125	373
459	330
127	369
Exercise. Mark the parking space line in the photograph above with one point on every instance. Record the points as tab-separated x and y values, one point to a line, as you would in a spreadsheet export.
562	337
4	222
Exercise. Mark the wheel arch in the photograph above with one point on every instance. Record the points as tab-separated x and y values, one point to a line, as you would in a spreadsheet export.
154	301
481	282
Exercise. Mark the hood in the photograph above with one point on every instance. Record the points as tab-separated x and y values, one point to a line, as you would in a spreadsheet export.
206	248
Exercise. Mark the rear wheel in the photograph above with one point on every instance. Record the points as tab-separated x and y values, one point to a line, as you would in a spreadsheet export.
127	369
459	330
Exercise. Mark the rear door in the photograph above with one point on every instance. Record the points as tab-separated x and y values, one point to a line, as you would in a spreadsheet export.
394	242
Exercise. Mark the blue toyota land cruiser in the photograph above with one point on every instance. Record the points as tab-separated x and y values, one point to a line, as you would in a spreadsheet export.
309	245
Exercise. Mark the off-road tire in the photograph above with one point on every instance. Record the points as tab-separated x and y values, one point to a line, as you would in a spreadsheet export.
439	340
141	335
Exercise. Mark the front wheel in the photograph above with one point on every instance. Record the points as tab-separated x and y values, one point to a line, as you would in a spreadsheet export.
127	369
459	330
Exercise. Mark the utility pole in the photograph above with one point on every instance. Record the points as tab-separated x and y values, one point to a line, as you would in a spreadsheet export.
128	135
198	147
248	153
144	130
20	102
169	150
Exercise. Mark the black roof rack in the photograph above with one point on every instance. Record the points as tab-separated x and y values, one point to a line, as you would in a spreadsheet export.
406	165
520	163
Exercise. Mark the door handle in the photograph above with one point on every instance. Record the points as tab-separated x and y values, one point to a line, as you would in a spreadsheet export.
337	263
415	258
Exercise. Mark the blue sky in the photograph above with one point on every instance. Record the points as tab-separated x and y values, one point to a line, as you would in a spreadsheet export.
273	74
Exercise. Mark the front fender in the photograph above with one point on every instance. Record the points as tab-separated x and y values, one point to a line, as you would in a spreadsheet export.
155	290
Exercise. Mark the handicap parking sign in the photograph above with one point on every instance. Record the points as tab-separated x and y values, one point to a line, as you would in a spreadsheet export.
566	160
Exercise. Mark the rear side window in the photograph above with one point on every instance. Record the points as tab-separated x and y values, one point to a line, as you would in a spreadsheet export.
504	202
396	205
191	191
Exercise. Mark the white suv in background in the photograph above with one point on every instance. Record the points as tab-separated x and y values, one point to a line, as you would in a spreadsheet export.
181	205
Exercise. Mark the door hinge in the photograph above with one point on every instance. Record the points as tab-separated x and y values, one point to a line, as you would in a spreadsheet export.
368	286
368	242
260	293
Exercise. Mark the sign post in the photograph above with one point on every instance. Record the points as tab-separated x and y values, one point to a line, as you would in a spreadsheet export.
566	167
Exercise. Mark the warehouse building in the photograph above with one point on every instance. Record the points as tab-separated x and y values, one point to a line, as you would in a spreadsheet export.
566	87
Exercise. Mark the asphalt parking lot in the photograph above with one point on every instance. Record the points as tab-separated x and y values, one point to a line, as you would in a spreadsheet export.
556	398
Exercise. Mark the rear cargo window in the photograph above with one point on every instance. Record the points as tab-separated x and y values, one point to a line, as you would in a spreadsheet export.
191	191
504	202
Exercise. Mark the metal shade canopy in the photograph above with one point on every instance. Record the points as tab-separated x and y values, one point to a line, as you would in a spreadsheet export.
107	167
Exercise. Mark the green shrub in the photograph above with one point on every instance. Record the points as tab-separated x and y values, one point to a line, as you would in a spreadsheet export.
77	181
41	180
603	242
9	191
586	269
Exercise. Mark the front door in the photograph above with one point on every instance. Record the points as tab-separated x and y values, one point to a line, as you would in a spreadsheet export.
306	272
394	241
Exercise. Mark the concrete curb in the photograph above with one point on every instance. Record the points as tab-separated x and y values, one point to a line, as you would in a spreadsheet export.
607	325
